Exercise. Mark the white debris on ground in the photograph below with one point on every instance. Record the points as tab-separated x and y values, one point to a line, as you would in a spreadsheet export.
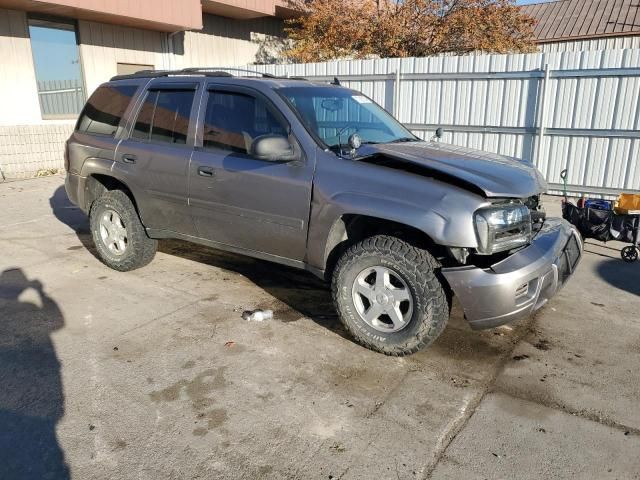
257	315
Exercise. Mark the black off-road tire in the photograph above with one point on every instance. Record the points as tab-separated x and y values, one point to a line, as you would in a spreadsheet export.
140	249
417	267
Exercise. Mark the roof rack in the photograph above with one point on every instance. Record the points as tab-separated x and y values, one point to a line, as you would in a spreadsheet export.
206	71
223	70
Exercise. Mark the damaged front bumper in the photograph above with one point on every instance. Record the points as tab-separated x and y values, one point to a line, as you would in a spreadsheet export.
523	282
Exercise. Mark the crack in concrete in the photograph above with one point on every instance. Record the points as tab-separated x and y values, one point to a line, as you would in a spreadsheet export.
165	315
466	412
372	413
458	424
585	414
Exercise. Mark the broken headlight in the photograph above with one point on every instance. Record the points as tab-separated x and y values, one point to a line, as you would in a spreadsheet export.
502	227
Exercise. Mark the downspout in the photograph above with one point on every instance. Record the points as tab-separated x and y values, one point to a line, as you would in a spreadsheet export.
171	50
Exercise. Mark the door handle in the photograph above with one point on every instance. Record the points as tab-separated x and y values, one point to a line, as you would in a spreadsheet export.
128	158
206	172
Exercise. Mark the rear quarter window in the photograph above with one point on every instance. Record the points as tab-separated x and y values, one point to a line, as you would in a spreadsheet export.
104	110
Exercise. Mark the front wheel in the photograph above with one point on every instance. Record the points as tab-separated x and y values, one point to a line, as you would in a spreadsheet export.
388	295
118	234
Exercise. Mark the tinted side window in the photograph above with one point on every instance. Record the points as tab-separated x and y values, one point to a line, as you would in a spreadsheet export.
142	128
234	120
103	112
164	116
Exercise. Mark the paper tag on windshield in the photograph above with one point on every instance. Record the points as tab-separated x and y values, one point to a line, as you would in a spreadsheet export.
361	99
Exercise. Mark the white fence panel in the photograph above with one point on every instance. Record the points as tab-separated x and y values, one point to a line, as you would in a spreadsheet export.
584	116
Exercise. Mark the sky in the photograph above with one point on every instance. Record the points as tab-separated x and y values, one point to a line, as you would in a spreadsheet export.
55	53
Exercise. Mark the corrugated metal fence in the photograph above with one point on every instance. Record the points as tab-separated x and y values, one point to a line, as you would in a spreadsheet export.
60	98
573	110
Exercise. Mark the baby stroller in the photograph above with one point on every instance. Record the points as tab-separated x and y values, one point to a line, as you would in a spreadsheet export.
598	220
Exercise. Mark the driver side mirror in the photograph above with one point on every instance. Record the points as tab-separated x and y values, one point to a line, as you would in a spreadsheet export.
273	148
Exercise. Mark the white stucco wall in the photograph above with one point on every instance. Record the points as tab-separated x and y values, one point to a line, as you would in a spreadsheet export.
29	144
18	90
103	46
224	41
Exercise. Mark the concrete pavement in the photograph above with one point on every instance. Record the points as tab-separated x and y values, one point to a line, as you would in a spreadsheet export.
154	374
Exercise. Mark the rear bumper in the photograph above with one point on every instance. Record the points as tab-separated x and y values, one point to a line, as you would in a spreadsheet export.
521	283
74	185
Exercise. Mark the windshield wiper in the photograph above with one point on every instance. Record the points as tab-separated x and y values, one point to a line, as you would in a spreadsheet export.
404	139
336	147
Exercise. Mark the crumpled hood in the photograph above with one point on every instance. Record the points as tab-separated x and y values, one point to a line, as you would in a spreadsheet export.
495	175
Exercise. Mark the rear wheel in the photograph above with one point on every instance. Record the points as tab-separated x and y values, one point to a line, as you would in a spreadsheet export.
629	254
120	239
388	295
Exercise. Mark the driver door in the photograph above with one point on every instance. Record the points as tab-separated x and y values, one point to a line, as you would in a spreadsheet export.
238	200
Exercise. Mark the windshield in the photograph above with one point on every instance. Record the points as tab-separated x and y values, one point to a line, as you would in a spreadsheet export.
333	114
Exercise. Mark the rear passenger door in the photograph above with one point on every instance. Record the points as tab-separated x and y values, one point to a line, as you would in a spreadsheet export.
155	156
239	200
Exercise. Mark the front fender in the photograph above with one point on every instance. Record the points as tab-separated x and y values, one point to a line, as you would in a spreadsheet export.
447	218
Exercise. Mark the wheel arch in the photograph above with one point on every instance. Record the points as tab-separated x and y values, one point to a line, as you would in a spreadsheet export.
350	228
100	183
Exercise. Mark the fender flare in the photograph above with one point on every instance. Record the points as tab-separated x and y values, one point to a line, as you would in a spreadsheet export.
434	220
104	167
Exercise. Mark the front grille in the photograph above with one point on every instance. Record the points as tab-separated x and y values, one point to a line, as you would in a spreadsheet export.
563	269
569	259
573	251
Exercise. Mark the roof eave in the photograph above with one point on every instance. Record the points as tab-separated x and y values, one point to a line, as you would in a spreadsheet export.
588	37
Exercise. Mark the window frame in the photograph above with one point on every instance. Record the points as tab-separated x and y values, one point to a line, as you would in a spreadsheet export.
194	86
41	20
240	90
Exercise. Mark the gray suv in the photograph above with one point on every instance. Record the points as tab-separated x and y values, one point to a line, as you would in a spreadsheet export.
319	177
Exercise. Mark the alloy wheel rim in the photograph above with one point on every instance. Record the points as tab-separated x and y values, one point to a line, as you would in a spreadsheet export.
382	299
113	232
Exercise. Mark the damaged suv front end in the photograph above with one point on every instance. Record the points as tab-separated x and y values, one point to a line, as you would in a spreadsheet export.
499	253
518	258
540	258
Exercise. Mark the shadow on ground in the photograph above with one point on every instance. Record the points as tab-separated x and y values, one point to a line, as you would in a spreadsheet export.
31	397
73	217
295	290
298	293
622	275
